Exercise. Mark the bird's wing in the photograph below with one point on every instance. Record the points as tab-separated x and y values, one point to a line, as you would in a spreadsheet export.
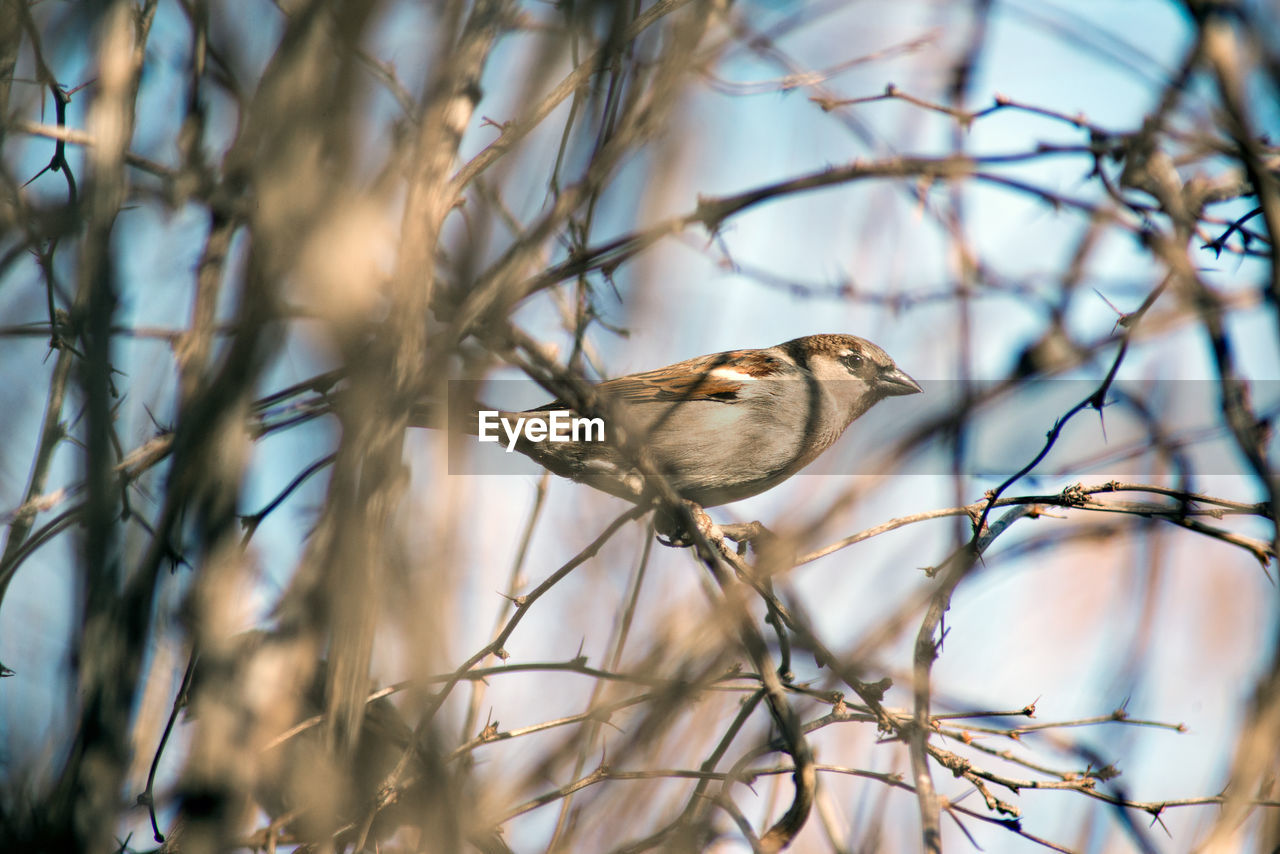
719	377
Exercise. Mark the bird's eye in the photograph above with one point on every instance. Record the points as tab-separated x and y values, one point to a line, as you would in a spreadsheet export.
853	360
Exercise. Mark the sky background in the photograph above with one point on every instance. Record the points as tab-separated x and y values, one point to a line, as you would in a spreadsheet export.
1170	626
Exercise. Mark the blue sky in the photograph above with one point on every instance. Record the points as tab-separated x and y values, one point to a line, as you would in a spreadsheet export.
1055	627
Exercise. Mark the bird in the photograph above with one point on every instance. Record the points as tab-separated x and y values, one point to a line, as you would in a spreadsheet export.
718	428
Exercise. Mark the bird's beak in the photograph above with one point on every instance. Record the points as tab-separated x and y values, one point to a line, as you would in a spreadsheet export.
892	381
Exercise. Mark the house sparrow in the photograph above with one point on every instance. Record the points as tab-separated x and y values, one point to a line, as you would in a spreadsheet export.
720	428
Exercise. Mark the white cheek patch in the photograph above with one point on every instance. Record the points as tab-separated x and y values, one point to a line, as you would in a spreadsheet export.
731	374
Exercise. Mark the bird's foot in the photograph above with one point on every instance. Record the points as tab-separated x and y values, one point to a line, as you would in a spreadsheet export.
773	552
672	530
748	533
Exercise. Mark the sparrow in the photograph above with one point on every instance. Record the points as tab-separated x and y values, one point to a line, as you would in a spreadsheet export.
720	427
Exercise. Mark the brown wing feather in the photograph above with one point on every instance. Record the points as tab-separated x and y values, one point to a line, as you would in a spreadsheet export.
689	380
693	379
